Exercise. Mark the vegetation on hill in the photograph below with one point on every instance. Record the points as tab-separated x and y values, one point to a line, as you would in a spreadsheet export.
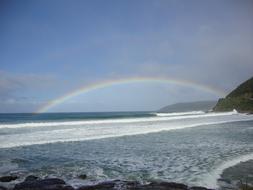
240	99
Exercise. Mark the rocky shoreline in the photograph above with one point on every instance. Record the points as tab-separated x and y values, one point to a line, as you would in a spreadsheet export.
35	183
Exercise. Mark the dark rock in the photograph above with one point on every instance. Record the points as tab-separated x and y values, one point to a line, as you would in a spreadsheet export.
170	185
108	185
44	184
31	178
161	186
133	185
2	188
82	176
198	188
33	183
8	178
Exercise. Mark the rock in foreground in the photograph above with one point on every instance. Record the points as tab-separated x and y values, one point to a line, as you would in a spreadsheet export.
33	183
43	184
8	178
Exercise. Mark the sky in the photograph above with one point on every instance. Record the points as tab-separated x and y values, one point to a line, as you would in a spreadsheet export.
50	48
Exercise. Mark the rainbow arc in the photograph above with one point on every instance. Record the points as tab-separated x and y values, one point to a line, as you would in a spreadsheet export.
128	80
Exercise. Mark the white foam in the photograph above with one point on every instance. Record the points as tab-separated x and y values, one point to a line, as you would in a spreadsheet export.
211	179
106	121
90	132
179	113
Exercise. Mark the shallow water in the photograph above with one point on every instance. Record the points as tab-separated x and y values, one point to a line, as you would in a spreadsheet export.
191	149
238	174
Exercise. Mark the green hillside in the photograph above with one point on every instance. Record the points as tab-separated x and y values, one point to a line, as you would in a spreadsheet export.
240	99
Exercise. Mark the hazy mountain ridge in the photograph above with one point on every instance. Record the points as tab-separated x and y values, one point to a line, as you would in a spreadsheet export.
189	106
240	99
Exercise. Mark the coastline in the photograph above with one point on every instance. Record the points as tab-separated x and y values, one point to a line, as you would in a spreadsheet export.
35	183
213	180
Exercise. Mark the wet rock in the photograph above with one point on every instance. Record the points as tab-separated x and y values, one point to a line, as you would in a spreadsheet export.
43	184
31	178
161	186
34	183
8	178
169	185
133	185
82	176
2	188
198	188
109	185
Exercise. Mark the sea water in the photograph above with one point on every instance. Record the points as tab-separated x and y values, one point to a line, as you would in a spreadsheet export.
188	147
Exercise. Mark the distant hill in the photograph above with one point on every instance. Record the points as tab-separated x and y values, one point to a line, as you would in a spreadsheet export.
240	99
188	106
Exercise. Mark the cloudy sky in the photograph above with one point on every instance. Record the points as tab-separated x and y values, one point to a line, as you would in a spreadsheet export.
49	48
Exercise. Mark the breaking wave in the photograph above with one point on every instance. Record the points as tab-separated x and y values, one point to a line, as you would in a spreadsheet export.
158	117
51	132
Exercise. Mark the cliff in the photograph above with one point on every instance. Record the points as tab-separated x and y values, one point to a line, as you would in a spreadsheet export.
240	99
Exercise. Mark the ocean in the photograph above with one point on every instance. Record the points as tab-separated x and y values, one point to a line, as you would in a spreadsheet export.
188	147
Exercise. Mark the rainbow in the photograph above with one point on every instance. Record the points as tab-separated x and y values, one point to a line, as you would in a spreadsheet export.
112	82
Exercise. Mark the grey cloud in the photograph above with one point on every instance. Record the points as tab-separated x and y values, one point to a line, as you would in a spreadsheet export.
222	59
